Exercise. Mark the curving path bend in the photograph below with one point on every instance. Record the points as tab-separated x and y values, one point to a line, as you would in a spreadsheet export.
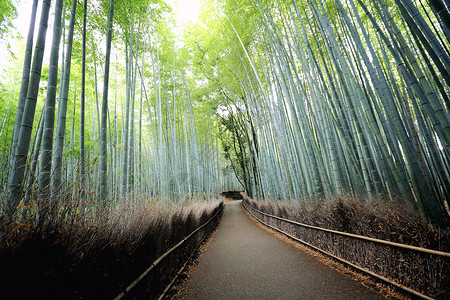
244	261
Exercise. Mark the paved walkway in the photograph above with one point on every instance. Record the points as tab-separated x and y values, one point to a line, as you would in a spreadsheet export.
244	261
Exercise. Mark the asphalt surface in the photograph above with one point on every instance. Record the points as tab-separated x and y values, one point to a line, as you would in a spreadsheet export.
244	261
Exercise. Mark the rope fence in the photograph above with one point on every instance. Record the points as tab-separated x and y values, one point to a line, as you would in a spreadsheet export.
133	284
418	271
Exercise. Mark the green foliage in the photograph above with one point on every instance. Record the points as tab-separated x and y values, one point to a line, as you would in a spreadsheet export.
305	98
9	93
329	94
235	149
7	13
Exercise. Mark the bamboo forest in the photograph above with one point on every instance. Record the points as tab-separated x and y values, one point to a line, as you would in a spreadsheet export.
203	149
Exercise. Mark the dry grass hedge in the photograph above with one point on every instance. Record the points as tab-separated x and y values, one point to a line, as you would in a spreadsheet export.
426	273
59	257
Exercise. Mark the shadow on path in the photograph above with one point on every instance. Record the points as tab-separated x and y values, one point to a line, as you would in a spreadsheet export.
244	261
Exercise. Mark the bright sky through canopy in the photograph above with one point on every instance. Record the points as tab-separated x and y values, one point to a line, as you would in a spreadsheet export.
21	24
185	11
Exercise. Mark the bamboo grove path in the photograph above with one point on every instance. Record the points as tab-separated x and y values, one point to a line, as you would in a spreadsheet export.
244	261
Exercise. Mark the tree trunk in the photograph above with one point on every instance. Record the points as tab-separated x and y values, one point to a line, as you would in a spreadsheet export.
104	121
25	80
14	190
82	116
49	108
62	108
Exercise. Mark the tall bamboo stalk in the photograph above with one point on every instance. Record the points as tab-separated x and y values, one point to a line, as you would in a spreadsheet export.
16	177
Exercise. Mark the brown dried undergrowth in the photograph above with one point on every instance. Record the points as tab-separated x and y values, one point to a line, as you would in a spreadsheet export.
422	272
56	256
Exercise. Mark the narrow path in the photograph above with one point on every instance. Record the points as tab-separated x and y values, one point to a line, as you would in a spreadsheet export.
244	261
